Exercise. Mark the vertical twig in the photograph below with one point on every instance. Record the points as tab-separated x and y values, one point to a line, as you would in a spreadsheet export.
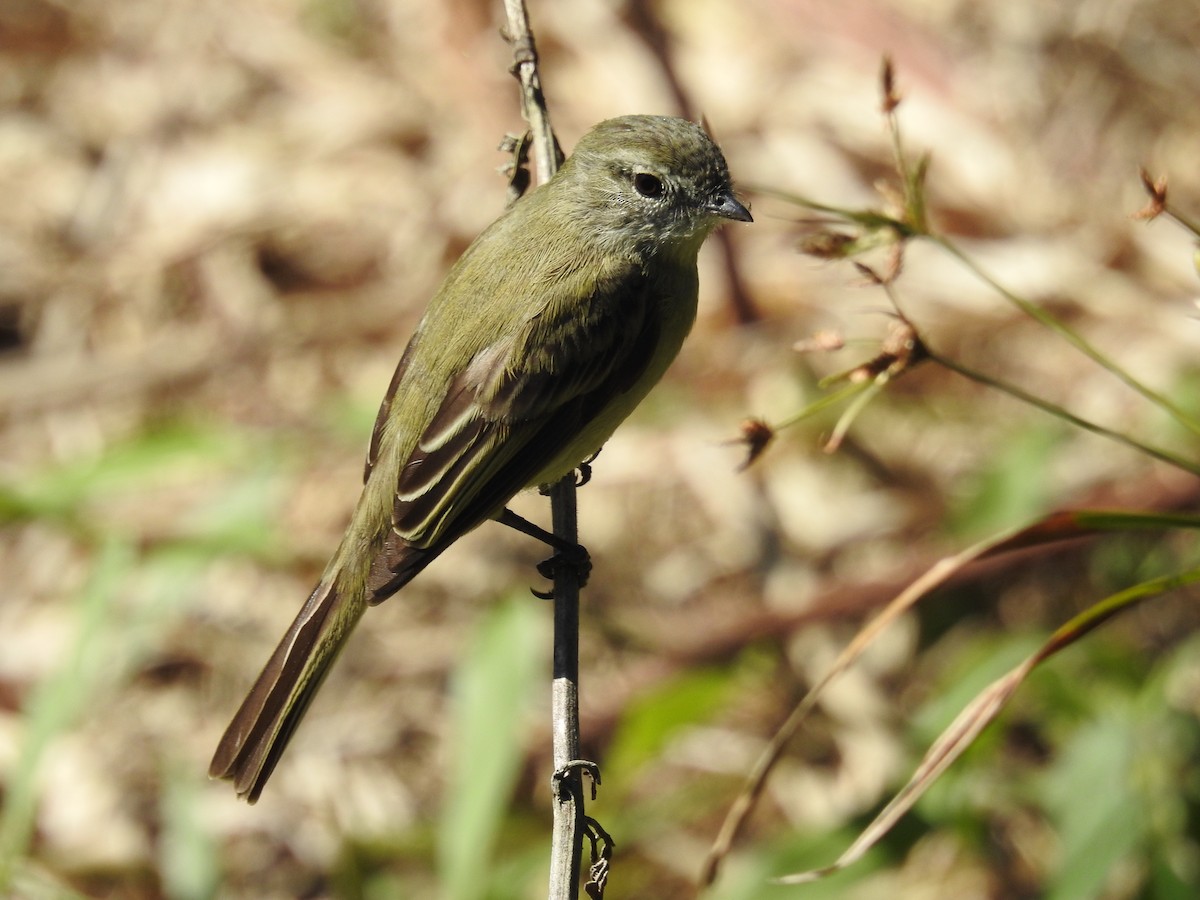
570	824
569	818
533	101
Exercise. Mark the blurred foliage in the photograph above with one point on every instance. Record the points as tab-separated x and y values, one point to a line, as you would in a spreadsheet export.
495	683
1094	774
1011	488
221	222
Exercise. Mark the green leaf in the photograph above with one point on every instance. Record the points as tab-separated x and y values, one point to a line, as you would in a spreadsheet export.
57	702
1013	488
492	692
1089	794
129	465
657	716
241	518
188	854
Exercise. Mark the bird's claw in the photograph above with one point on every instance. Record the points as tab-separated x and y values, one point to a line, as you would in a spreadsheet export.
602	851
583	474
582	765
575	560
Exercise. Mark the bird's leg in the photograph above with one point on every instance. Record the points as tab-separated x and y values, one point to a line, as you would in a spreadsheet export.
523	525
569	554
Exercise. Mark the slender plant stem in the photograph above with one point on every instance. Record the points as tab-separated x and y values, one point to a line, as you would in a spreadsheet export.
1072	337
569	818
1183	219
1055	410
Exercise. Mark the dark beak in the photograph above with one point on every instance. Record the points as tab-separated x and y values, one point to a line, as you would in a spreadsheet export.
727	207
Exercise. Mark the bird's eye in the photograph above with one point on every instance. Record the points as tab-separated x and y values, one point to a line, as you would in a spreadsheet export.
647	185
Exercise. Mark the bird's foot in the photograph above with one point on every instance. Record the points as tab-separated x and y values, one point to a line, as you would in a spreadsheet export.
562	773
573	559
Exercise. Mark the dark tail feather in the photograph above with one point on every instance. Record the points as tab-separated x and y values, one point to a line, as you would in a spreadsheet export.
396	565
267	718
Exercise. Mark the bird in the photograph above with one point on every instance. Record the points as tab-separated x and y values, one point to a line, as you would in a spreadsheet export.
544	336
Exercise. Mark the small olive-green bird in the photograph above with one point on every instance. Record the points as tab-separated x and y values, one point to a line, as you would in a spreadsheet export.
545	335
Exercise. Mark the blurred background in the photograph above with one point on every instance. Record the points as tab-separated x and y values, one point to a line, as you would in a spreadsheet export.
218	225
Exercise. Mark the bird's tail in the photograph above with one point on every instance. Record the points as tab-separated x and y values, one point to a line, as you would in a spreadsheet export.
267	718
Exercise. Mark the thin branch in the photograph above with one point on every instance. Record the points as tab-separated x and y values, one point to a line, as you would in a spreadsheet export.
533	101
570	822
1046	318
1033	400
